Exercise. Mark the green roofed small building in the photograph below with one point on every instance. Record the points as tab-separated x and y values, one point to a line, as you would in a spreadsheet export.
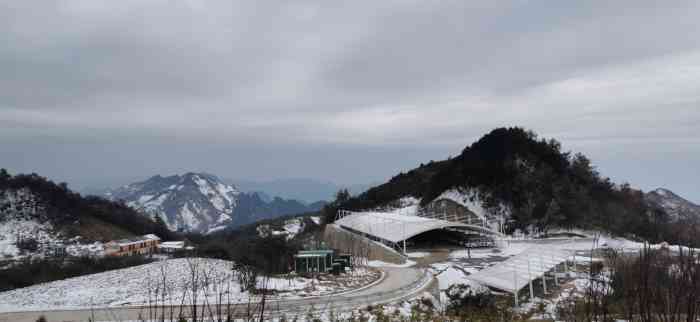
319	261
310	263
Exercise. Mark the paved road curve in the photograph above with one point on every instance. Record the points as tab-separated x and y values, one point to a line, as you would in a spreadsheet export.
398	284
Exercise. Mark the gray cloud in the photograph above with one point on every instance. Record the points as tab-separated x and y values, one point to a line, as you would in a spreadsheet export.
100	78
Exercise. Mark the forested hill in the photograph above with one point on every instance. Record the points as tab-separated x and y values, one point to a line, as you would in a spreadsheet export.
91	217
540	184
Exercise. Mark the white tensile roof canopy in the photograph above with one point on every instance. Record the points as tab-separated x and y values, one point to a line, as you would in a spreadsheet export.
395	228
516	272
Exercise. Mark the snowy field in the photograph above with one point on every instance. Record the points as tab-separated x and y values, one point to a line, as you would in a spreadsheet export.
134	286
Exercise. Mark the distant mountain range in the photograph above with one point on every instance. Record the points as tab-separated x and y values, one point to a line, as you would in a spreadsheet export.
307	190
202	202
302	189
675	206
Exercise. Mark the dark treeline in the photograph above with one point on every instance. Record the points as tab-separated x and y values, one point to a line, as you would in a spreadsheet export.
654	285
542	185
65	208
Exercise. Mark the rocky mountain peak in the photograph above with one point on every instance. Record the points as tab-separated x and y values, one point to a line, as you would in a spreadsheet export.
674	205
202	202
192	201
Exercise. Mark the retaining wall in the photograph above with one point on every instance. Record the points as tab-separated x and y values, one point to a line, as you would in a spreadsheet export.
360	246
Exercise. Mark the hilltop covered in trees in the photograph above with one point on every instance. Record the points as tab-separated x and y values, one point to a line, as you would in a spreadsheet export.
91	217
541	184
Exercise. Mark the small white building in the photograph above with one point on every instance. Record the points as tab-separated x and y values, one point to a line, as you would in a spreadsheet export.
173	246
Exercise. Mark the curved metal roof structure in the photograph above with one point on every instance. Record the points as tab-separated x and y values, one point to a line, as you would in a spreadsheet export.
396	228
516	272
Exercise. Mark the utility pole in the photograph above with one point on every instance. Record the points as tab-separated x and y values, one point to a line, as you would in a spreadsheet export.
544	275
532	290
515	286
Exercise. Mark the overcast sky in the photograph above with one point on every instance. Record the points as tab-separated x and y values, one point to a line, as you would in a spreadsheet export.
100	92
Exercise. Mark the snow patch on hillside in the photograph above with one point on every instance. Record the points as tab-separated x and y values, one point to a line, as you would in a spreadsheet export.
22	218
467	198
188	217
406	206
13	230
290	229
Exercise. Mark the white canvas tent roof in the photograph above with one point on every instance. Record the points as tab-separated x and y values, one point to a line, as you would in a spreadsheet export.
517	271
392	227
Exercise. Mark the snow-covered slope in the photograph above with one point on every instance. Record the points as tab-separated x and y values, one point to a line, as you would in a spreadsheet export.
469	199
675	206
192	202
25	230
20	218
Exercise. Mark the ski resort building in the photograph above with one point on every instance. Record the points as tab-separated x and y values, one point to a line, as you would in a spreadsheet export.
146	244
396	231
392	232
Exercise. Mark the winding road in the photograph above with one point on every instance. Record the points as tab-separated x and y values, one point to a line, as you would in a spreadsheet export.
397	284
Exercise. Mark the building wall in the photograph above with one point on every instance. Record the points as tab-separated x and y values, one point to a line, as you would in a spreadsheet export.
359	246
145	247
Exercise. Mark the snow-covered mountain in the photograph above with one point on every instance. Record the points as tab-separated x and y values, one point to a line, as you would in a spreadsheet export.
674	205
201	202
192	202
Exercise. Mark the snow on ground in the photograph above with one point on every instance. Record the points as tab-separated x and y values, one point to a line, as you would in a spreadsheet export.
378	263
470	199
18	222
417	254
406	206
95	249
290	229
113	288
131	286
508	249
13	230
449	274
573	288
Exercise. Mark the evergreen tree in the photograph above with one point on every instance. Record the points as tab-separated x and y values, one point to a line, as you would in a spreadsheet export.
342	196
4	176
